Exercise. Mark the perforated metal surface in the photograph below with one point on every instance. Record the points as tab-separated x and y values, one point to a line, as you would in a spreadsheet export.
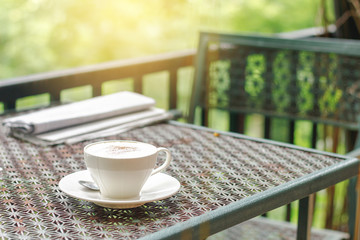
213	170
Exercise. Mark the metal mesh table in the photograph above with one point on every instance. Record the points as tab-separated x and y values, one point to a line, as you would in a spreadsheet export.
225	179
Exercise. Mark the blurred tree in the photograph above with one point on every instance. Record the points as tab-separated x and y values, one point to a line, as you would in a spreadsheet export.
44	35
275	16
347	18
23	38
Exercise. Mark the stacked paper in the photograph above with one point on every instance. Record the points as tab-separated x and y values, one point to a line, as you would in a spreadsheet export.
95	117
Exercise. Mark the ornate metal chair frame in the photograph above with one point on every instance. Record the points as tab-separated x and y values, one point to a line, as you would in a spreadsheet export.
315	79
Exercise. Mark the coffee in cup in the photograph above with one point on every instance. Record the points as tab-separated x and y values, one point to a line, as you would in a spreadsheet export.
121	168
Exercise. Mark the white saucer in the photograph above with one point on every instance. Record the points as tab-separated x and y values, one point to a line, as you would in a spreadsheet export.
157	187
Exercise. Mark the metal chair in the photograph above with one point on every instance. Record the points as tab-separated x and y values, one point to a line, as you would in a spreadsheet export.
316	80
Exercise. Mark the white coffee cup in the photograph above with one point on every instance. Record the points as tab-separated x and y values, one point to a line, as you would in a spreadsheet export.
121	168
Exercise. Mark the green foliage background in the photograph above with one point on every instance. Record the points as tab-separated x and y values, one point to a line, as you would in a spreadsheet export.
44	35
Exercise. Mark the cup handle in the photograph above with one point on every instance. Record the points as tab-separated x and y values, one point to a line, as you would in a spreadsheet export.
166	163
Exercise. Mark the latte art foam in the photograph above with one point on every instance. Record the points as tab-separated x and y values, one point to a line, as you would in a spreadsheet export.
120	149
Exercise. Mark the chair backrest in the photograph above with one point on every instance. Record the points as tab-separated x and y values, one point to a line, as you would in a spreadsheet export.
297	79
312	79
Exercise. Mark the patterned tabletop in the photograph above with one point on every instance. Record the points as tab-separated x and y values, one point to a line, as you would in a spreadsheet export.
214	170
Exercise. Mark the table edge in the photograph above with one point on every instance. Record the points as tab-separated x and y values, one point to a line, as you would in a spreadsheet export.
237	212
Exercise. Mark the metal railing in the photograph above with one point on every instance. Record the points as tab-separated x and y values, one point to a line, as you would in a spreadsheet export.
53	83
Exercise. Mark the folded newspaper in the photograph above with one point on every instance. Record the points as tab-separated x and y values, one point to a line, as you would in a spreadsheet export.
96	117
